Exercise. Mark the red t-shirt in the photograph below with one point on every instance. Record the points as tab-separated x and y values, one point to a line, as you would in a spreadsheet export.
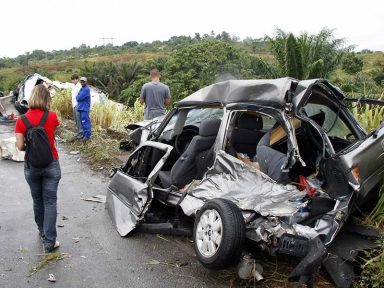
34	117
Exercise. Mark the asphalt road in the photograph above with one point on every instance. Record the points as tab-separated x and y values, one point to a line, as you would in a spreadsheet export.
96	255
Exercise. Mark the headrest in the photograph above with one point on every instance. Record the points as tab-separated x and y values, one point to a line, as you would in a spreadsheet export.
250	122
209	127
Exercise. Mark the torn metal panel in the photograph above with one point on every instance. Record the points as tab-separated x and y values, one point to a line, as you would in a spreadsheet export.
126	198
122	217
129	198
249	189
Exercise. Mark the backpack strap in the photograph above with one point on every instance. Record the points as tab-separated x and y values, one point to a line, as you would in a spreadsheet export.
43	119
26	121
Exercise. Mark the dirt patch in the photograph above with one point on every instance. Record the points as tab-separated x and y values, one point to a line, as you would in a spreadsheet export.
101	152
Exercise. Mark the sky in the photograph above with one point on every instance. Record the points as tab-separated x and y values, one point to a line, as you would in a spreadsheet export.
57	24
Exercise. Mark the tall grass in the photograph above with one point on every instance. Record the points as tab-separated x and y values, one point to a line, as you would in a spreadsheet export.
62	104
109	116
105	116
369	116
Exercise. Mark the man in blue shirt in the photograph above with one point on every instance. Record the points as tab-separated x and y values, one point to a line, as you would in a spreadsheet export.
83	99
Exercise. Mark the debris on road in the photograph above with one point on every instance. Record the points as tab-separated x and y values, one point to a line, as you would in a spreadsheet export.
97	198
65	217
47	258
51	278
162	237
60	225
74	152
76	239
9	151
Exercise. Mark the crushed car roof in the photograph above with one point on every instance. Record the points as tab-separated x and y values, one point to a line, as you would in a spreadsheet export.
266	91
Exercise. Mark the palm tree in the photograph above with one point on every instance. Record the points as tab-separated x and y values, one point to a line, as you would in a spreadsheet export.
306	56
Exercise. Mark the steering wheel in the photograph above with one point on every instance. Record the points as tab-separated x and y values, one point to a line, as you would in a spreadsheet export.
183	139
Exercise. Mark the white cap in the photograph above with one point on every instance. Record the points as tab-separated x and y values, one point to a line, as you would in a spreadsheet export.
83	79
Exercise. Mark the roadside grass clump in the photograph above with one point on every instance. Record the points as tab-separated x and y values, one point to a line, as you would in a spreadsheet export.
101	151
111	116
372	267
47	259
62	104
369	116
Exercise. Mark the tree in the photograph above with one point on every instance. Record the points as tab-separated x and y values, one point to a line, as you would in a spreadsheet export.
351	63
306	56
202	64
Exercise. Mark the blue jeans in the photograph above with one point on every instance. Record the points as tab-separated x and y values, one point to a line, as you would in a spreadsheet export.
86	124
43	183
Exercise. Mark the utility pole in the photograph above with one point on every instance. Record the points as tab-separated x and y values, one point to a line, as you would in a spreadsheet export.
107	38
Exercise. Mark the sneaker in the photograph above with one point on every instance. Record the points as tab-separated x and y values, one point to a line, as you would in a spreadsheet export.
49	247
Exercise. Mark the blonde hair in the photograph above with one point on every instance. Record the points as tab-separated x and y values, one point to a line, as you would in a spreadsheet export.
40	98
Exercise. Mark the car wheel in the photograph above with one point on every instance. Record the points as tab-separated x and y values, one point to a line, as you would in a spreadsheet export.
219	234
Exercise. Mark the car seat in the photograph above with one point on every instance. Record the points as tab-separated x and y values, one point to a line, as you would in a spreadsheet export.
247	133
199	155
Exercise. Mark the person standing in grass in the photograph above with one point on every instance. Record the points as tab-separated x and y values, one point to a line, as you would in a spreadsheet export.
43	180
76	115
155	95
83	99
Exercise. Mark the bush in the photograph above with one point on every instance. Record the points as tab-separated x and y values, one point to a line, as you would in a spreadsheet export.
378	77
351	63
360	85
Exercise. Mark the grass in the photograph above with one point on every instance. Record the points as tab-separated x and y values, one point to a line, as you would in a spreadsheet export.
47	259
101	150
108	116
369	116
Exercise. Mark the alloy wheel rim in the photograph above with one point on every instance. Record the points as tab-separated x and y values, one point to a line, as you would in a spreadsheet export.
209	233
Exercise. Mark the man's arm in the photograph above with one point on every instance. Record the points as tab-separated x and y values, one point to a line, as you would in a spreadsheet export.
83	94
167	99
142	94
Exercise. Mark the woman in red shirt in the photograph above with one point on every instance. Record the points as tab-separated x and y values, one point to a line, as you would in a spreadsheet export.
43	182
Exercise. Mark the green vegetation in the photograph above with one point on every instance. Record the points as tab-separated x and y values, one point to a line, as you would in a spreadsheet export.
306	56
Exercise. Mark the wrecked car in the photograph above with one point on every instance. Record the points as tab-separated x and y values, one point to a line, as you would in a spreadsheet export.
278	165
138	132
27	85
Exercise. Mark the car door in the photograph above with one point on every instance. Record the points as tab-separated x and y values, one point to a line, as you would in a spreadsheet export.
366	161
129	193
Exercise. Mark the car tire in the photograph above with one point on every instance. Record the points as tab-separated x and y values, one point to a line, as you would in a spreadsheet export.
219	234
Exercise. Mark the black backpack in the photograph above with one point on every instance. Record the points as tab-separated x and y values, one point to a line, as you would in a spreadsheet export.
38	152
